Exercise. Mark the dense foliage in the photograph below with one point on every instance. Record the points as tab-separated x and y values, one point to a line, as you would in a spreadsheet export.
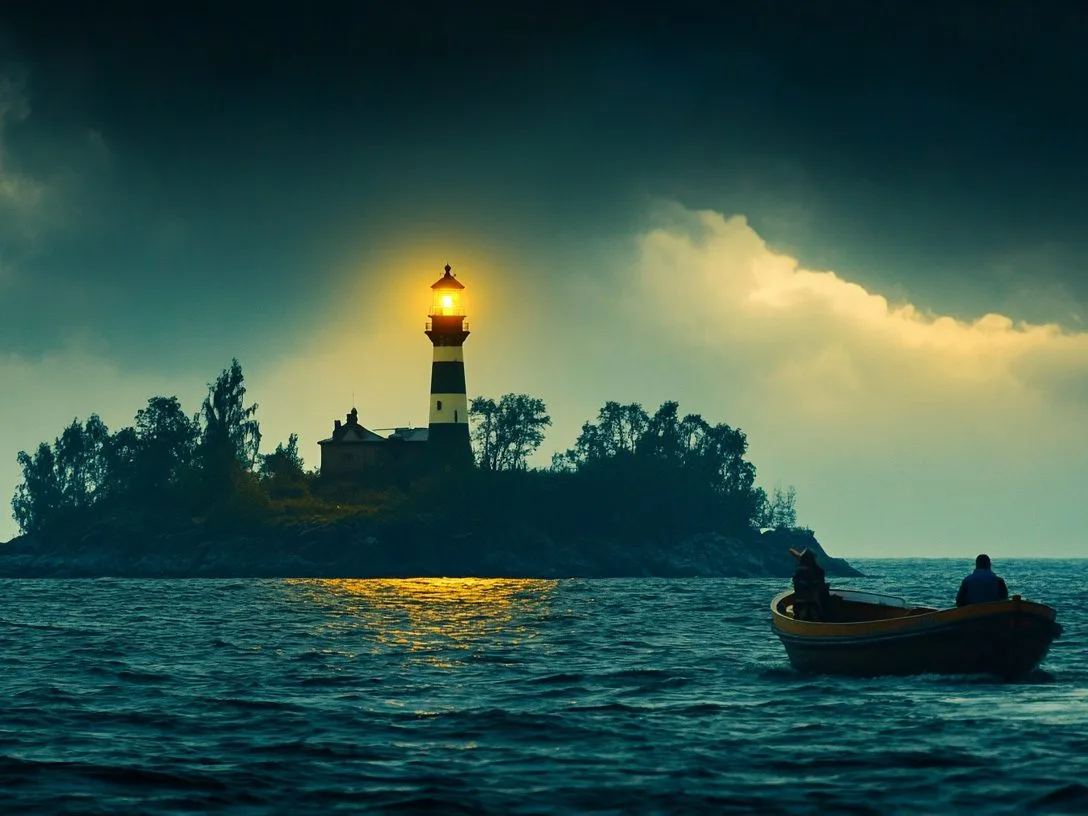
505	434
630	477
630	474
663	475
167	464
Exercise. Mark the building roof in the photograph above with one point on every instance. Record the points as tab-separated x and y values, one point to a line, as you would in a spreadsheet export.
351	432
409	435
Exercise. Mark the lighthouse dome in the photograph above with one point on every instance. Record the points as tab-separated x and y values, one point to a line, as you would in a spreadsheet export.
447	281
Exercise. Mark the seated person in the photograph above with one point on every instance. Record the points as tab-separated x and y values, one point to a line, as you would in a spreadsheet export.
981	586
811	593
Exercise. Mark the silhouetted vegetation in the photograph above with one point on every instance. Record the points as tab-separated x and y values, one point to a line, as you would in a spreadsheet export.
282	472
167	466
633	484
780	510
659	477
505	434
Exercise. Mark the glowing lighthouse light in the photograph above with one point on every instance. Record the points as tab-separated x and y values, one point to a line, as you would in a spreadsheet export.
447	297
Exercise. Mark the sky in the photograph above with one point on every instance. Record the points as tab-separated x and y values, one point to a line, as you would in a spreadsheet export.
855	230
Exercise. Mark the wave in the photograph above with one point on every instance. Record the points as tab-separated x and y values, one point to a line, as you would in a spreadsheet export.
623	696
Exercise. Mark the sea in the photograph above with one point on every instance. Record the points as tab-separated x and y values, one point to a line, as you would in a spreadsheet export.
465	696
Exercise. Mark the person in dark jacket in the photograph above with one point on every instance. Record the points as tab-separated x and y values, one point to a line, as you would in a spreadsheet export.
981	586
812	594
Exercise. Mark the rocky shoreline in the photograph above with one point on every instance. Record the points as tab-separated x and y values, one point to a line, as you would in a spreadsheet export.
360	548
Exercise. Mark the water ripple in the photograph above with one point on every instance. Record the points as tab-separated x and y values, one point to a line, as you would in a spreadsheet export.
506	696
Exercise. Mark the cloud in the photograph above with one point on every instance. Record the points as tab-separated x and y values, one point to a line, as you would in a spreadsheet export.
874	409
819	336
20	195
33	205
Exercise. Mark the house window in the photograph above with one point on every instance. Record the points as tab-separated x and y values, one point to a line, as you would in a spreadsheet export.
454	414
438	405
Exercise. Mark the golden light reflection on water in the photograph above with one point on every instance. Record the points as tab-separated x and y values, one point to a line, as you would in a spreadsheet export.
428	617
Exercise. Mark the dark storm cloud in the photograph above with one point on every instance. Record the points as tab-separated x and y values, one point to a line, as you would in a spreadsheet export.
283	185
919	148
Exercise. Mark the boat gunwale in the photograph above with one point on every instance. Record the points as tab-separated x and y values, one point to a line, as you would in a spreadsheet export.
903	625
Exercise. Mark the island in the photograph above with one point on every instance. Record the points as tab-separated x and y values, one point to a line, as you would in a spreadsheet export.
639	494
363	548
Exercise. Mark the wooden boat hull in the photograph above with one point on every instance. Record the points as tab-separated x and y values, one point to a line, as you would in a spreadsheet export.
1007	639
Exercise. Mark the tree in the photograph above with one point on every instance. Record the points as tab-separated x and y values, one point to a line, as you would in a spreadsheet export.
80	461
484	419
564	463
780	511
679	465
165	445
71	475
617	431
230	434
507	433
715	453
38	497
284	461
282	471
721	452
666	436
120	457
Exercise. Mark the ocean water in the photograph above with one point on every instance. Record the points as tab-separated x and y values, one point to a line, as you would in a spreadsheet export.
511	696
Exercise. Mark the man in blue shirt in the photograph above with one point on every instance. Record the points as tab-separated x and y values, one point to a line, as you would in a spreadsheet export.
981	586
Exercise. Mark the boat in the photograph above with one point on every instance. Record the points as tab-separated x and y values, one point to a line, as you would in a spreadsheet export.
872	634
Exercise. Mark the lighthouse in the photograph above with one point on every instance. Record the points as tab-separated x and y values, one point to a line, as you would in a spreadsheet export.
447	435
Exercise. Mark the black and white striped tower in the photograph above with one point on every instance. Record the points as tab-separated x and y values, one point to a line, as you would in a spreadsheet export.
447	435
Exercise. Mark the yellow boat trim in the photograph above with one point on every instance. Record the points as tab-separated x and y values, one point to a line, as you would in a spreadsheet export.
906	622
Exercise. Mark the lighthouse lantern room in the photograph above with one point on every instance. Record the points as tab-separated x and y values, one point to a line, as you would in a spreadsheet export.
447	300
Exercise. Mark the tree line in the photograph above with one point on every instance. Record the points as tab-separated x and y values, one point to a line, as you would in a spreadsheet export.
166	463
676	469
664	473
